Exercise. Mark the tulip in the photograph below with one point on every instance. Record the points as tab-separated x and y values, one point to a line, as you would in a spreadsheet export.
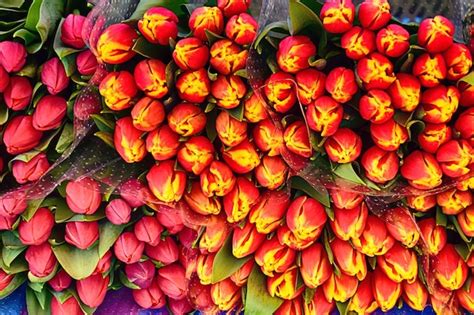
389	135
273	257
374	14
172	281
449	268
226	295
128	141
458	61
148	230
306	218
268	137
82	234
148	114
319	304
31	170
200	203
386	292
375	239
242	29
230	131
345	199
294	53
60	281
280	92
363	301
315	267
421	170
430	70
376	107
405	92
380	166
118	211
340	288
337	16
228	91
151	297
455	157
18	93
271	173
159	25
227	57
349	260
196	154
324	116
204	268
467	94
83	196
453	201
439	104
465	125
71	31
115	44
69	307
399	263
186	119
465	297
180	307
421	203
103	266
49	113
141	273
84	107
92	289
128	248
344	146
349	223
134	192
393	41
233	7
242	158
150	77
4	79
401	225
288	238
240	277
6	223
466	221
310	84
206	18
254	109
415	294
162	143
436	34
166	183
54	76
41	260
190	54
11	205
12	56
297	139
217	180
37	230
291	307
166	252
269	210
284	285
433	136
118	90
238	202
214	236
376	71
86	63
358	42
246	240
340	83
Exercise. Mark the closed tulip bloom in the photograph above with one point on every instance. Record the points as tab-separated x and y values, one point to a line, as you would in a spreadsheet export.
18	93
269	210
200	203
242	158
68	307
204	268
134	192
453	201
115	44
458	61
415	294
376	106
466	221
226	295
402	226
4	79
430	69
118	211
345	199
337	16
240	277
37	230
60	281
103	266
386	292
148	230
344	146
159	25
7	223
162	143
230	131
440	103
166	252
315	268
228	91
166	183
82	234
238	202
449	268
319	304
54	76
186	119
242	29
254	108
180	307
297	139
284	285
306	218
118	90
374	14
151	297
291	307
19	135
433	136
214	236
233	7
271	173
375	239
310	84
393	41
49	113
436	34
227	57
273	257
92	289
12	204
190	54
12	56
172	281
399	263
421	203
288	238
340	83
206	18
405	92
268	137
324	116
358	42
41	260
294	53
376	71
280	92
128	248
421	170
380	166
349	260
86	62
141	273
150	77
340	288
83	196
196	154
32	170
246	240
148	114
465	297
217	180
71	31
349	223
455	157
465	125
363	301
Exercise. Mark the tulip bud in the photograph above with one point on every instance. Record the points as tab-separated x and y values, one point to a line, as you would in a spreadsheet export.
269	210
227	57
206	18
433	136
280	92
162	143
306	218
240	277
246	240
83	196
268	137
233	7
375	239
82	234
319	304
6	223
344	146
421	203
186	119
340	288
150	77
399	263
86	62
449	268
415	294
228	91
217	180
340	83
242	158
128	248
103	266
455	157
196	154
363	301
49	113
226	295
337	16
200	203
376	71
166	252
151	297
345	199
324	115
273	257
466	221
4	79
310	84
204	268
405	92
291	307
141	273
159	25
37	230
439	104
393	41
315	267
376	107
214	236
115	44
41	260
12	204
190	54
254	109
358	42
401	225
60	281
436	34
54	76
180	307
349	223
32	170
238	202
465	296
71	31
465	125
242	29
166	183
230	131
271	173
421	170
349	260
389	135
380	166
92	289
288	238
148	114
374	14
69	307
128	141
12	56
118	211
297	139
430	70
294	53
458	61
17	94
386	292
118	90
148	230
284	285
453	201
172	281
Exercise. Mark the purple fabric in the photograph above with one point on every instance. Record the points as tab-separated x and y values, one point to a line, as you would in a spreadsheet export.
121	302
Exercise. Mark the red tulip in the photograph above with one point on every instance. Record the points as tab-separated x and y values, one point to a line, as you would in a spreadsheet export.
363	301
386	292
118	90
159	25
269	210
71	31
306	217
324	116
430	69
83	196
128	248
344	146
32	170
196	154
233	7
455	157
118	211
380	166
348	259
268	137
389	135
19	135
376	107
393	41
199	202
37	230
284	285
238	202
54	76
4	79
254	109
405	92
433	136
340	83
92	289
151	297
310	84
280	92
18	93
180	307
242	29
60	281
449	268
186	119
415	294
340	288
162	143
297	139
246	240
337	16
12	204
349	223
190	54
148	230
82	234
49	113
421	170
271	173
230	131
227	57
242	158
399	263
69	307
273	257
217	180
375	239
150	77
206	18
358	42
315	267
374	14
436	34
225	295
12	56
458	61
294	53
115	44
166	252
148	114
86	62
440	103
172	281
41	260
166	183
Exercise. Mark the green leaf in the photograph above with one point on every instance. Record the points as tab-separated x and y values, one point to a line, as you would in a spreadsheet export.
441	218
237	113
458	228
50	12
143	5
106	137
17	281
211	131
17	266
308	295
342	307
280	26
28	37
11	3
9	255
45	143
3	114
212	37
29	70
34	279
321	195
104	123
78	263
124	280
10	240
469	78
33	305
98	215
66	138
258	301
347	172
302	17
33	205
108	234
463	251
62	212
225	264
149	50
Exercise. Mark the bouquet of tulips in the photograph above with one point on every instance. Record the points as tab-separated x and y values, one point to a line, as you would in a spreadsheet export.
207	161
